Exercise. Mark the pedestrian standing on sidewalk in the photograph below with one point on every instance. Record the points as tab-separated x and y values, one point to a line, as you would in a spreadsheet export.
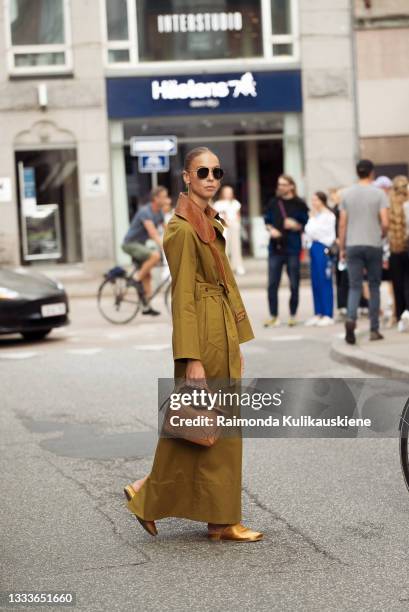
341	271
363	223
209	323
285	219
229	209
399	247
385	183
320	230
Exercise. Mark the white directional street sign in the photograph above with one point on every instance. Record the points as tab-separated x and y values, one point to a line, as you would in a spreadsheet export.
153	163
161	145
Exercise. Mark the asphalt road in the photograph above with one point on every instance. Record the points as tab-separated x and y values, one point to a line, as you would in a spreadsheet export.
78	421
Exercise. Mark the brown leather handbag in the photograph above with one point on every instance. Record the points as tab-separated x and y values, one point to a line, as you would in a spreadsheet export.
201	427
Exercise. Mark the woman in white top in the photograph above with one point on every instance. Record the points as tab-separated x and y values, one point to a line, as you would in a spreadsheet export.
229	209
320	230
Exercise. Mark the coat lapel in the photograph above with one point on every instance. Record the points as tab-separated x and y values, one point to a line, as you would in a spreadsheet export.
203	221
205	225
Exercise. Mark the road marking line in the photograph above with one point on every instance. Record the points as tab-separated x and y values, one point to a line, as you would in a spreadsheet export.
286	338
19	355
85	351
151	347
254	349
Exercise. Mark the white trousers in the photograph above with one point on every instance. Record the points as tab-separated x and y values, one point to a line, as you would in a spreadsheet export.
233	245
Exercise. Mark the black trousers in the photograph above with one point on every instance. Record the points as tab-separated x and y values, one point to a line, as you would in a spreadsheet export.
275	267
341	277
399	269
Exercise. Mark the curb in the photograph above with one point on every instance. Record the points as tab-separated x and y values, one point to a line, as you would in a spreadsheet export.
356	356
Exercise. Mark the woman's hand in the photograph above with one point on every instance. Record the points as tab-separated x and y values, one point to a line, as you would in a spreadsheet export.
241	364
195	374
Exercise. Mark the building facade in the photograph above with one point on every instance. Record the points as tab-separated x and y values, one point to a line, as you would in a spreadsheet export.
268	84
382	34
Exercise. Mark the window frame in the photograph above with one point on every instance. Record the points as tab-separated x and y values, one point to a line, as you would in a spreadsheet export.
13	50
268	40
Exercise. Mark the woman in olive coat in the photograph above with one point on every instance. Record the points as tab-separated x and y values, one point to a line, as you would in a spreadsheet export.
209	323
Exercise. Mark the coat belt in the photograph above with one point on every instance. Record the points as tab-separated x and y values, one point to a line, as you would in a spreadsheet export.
204	290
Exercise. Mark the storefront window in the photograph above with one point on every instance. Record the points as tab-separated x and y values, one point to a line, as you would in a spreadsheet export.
280	17
38	34
282	29
213	29
182	30
117	19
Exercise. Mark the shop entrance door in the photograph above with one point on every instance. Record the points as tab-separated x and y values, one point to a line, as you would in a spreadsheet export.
252	164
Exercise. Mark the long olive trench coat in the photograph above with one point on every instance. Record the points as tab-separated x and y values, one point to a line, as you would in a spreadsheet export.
209	323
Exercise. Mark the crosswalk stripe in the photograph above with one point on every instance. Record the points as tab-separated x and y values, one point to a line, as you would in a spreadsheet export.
85	351
254	349
286	338
19	355
151	347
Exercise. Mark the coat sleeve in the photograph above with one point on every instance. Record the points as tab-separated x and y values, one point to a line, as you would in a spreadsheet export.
180	250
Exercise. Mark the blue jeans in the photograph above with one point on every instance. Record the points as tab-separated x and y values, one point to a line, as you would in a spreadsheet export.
360	258
321	280
275	268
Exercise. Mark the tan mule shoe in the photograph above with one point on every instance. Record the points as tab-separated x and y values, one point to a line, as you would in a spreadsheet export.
149	526
237	532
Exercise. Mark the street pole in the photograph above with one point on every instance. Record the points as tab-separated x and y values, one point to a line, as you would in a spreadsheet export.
354	79
154	176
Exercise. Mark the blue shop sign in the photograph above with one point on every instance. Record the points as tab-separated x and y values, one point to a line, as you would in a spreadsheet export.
238	92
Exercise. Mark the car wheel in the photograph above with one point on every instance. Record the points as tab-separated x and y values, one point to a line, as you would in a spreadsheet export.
36	335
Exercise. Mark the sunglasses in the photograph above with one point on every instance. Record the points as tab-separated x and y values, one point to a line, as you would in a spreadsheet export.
203	172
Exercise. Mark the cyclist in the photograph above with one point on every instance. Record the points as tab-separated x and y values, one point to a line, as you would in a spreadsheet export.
143	230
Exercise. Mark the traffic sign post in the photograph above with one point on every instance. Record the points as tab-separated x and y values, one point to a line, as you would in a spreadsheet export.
161	145
153	154
153	163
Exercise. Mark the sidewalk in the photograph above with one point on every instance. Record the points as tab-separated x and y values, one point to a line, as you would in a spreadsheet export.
82	281
388	358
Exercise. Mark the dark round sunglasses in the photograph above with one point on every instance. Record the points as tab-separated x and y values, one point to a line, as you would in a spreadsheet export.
203	172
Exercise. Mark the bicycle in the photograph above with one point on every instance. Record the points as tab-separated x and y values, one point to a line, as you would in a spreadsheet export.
120	297
403	443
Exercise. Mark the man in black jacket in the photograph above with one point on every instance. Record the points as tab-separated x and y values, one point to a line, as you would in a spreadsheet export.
285	219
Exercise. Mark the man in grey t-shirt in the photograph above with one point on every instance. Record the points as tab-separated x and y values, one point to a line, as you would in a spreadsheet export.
363	223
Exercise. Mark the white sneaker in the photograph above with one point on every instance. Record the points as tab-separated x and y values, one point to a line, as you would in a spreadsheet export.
325	321
403	324
313	321
405	315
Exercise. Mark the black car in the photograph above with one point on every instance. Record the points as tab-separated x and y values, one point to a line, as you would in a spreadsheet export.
31	304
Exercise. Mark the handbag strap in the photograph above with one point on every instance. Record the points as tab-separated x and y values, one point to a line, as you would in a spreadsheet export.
282	209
